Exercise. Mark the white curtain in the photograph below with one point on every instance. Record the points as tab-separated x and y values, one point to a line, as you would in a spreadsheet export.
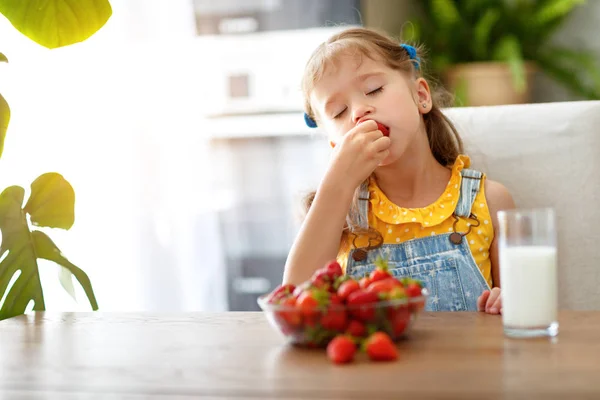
121	118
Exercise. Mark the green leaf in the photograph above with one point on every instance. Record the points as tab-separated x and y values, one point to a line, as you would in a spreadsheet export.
554	9
461	93
567	77
509	51
52	202
481	33
16	239
46	249
3	58
440	63
24	248
56	23
445	12
580	60
4	120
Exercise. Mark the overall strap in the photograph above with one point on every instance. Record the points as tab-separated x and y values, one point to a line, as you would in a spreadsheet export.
469	187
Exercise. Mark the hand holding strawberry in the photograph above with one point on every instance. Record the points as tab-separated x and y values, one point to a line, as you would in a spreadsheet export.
358	153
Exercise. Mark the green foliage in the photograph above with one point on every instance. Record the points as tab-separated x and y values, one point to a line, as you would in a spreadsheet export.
51	204
52	24
511	31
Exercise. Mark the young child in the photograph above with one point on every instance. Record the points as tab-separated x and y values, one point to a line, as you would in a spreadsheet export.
397	185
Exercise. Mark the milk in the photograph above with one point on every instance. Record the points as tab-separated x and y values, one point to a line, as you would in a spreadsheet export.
529	286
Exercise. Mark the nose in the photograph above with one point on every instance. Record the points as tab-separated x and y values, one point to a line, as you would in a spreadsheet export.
360	112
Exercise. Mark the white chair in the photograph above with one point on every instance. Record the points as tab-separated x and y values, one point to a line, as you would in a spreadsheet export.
547	155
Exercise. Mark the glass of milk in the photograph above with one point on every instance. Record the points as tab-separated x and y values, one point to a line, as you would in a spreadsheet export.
528	276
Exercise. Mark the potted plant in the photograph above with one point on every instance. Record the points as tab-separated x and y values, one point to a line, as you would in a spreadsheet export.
487	51
52	24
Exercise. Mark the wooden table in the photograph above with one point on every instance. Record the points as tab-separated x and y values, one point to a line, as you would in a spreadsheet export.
238	355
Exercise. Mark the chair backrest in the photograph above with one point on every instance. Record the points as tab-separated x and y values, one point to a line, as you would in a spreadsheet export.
547	155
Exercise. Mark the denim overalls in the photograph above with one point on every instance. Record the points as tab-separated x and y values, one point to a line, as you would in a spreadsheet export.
446	266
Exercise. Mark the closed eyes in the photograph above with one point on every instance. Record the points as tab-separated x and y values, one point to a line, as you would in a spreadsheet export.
371	93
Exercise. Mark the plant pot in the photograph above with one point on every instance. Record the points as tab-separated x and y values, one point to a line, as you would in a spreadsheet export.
487	83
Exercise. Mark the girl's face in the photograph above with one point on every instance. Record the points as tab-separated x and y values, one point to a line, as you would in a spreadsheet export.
355	89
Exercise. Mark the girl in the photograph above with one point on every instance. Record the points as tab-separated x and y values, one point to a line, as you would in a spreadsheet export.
397	185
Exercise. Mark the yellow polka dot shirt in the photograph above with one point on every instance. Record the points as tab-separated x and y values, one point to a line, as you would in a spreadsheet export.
398	225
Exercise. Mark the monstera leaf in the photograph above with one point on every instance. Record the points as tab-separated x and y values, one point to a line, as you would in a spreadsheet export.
51	204
56	23
4	113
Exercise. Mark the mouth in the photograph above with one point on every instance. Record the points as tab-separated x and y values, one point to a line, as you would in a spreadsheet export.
384	129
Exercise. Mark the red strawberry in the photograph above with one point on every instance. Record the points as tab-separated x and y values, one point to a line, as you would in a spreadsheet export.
301	288
307	303
413	289
399	325
381	271
356	329
384	129
379	347
364	282
335	317
334	270
384	286
399	317
346	288
320	279
379	274
362	304
280	292
341	350
292	316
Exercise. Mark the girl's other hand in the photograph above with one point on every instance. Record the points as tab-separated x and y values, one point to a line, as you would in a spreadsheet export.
490	301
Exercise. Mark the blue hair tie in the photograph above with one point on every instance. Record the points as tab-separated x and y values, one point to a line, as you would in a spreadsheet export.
412	54
311	123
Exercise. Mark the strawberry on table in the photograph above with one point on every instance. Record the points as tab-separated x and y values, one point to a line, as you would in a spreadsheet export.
341	349
379	347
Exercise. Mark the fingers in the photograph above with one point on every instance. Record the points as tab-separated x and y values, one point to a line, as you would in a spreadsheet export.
376	145
366	126
494	302
482	300
381	144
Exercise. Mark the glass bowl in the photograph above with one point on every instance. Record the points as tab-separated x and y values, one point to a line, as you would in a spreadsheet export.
316	328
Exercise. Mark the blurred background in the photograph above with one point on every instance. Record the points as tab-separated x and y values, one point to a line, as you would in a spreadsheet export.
179	124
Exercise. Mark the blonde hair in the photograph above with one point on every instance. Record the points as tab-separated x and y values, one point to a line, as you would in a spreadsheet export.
444	141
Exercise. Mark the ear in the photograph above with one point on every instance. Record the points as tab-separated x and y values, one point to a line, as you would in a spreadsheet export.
424	101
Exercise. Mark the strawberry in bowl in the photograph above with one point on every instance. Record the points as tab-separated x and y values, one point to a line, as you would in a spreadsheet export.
331	304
